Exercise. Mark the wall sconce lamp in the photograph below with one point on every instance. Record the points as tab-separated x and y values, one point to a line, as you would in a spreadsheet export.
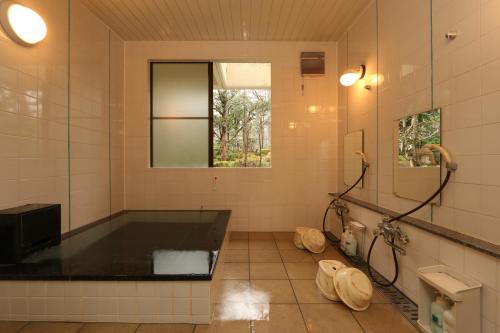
352	75
22	24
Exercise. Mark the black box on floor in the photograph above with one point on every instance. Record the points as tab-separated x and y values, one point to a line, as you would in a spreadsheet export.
26	229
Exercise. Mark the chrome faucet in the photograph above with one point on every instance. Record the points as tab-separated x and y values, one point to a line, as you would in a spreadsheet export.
391	234
339	207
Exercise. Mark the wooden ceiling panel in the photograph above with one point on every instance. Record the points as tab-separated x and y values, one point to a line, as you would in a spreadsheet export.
226	20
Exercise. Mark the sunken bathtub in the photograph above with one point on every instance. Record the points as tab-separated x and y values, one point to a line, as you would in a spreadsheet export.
140	266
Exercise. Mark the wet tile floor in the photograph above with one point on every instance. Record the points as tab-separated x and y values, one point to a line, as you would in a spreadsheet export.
267	286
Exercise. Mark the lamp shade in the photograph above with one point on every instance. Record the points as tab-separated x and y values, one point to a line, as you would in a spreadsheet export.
22	24
351	75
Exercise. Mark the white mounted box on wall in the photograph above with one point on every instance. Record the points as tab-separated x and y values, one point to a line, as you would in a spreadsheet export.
464	292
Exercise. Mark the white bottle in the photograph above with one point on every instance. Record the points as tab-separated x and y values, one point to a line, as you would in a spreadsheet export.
437	309
343	239
449	324
351	245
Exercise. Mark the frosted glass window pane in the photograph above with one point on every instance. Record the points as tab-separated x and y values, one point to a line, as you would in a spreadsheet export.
180	143
180	90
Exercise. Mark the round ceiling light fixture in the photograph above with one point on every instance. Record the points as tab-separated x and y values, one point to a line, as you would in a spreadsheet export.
22	24
352	75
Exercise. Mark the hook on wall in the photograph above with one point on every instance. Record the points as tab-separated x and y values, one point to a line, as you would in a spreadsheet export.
451	35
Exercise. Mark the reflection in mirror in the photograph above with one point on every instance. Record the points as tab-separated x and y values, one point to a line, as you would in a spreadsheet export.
168	262
353	163
416	169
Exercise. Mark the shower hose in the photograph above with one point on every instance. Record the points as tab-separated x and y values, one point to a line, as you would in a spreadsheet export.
396	266
340	210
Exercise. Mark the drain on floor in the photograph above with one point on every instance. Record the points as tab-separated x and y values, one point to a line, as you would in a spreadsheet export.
405	305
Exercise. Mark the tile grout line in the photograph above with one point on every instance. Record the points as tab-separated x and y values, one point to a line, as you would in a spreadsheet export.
250	326
360	325
297	300
293	289
22	327
357	321
248	256
285	303
362	328
80	328
302	315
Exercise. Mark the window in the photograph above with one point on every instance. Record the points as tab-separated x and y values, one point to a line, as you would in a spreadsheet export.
181	114
208	114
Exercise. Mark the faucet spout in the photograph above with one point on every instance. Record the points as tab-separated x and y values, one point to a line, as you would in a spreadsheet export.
391	234
396	247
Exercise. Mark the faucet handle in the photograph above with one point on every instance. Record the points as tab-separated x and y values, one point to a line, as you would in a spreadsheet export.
404	239
402	236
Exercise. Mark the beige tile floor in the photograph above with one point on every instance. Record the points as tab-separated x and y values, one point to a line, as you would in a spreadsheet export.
267	287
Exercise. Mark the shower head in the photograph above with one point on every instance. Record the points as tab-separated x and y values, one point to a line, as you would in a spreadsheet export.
363	158
450	165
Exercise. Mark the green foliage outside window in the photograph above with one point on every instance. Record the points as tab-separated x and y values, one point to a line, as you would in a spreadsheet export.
242	127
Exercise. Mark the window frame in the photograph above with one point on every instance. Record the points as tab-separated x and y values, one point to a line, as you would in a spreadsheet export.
210	116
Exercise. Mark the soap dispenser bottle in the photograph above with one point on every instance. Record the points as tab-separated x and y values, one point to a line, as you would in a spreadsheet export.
438	307
449	324
351	245
343	238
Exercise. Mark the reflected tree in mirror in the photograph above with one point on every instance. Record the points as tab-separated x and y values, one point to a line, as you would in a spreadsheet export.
417	169
415	132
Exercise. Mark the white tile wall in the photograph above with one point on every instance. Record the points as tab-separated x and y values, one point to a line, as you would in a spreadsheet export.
466	87
291	193
34	116
358	106
469	66
102	301
427	249
89	117
33	113
116	86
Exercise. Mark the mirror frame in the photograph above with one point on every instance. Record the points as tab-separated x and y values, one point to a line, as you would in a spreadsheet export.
360	185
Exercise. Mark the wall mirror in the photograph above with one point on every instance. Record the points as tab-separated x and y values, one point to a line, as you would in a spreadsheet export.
353	163
417	172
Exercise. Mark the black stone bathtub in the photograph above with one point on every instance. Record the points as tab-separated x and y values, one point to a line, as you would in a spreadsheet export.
135	245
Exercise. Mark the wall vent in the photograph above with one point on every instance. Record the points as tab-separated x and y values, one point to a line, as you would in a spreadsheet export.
312	63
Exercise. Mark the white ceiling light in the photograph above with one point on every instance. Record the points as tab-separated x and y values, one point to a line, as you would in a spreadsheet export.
22	24
352	75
